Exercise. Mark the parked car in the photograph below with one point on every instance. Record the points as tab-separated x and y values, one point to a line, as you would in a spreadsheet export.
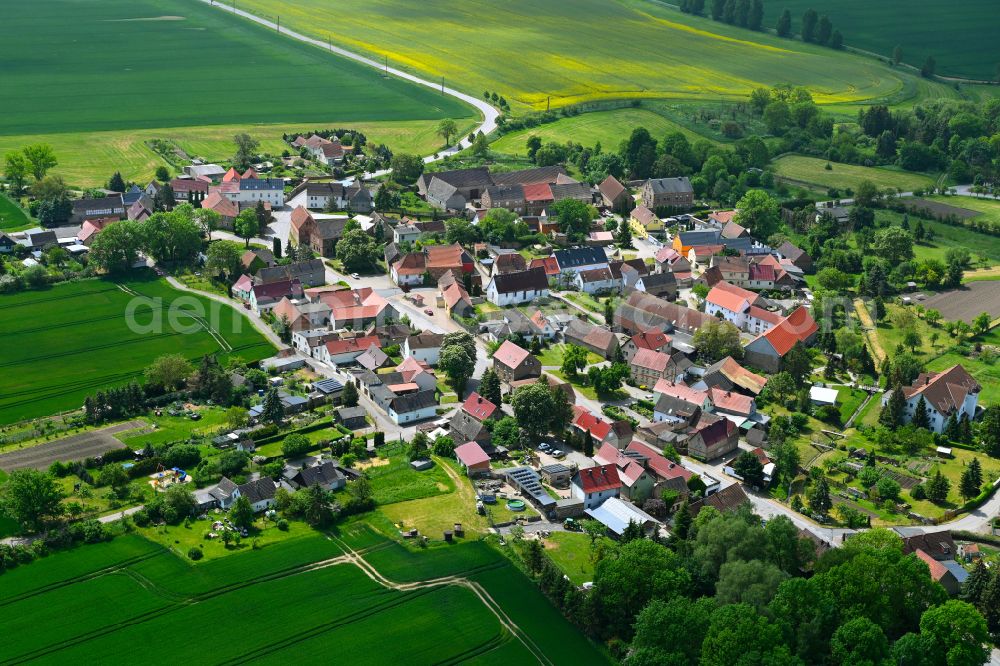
429	312
557	453
544	446
355	276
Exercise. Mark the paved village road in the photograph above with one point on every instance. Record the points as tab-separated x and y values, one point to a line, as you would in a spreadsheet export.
490	113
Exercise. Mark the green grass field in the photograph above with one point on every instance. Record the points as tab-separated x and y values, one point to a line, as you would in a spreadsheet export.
609	128
962	39
566	53
947	237
812	171
131	76
130	595
989	208
67	342
88	158
12	216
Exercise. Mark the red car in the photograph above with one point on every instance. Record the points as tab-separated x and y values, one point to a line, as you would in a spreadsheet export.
428	311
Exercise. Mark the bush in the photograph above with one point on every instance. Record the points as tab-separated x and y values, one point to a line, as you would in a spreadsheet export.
283	525
295	445
918	492
195	553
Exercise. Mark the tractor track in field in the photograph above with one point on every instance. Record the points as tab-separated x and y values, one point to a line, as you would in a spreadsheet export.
489	112
176	601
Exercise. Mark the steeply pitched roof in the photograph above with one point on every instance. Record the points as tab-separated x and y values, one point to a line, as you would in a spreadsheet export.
325	473
644	216
580	256
661	466
652	339
944	391
734	403
533	279
258	490
547	174
649	359
796	327
737	375
510	262
730	297
587	421
598	479
549	264
474	177
479	407
670	185
510	355
413	402
611	188
471	454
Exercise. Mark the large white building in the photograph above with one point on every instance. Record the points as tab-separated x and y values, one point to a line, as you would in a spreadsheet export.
952	391
520	287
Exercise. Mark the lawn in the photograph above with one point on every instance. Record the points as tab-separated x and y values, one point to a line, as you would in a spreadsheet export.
964	43
609	128
848	400
570	551
987	374
619	49
812	171
127	79
553	356
73	339
947	237
398	482
12	216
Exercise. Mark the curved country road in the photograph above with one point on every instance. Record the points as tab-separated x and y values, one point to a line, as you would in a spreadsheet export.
490	114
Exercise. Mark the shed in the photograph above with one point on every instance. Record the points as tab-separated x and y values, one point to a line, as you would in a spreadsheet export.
352	417
821	395
420	464
472	457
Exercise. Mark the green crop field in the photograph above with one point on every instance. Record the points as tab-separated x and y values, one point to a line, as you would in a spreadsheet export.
609	128
963	39
562	53
812	171
12	217
135	73
131	597
64	343
88	158
988	209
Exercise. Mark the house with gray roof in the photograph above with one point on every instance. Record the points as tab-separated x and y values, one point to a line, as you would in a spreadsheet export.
668	193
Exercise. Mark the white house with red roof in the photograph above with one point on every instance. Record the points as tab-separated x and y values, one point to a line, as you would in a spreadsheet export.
732	303
473	458
952	392
338	352
637	482
593	485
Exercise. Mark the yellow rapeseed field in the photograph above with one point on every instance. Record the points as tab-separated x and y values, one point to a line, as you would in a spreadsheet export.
558	53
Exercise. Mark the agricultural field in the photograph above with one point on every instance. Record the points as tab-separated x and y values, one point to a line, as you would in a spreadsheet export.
113	597
12	216
967	303
608	53
812	171
88	158
66	342
987	209
964	42
609	128
127	82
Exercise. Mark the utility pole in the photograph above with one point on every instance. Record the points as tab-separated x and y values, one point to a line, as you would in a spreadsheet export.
442	85
548	103
329	42
277	24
